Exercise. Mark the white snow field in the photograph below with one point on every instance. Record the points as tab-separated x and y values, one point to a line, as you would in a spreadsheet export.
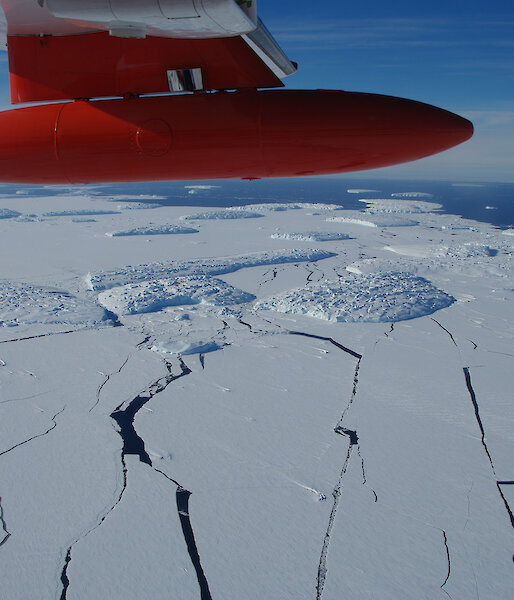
240	415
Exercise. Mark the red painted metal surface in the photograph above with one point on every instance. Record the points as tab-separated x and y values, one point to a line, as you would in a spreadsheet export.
243	134
94	65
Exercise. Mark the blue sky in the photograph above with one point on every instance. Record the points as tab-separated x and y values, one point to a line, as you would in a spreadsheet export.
457	55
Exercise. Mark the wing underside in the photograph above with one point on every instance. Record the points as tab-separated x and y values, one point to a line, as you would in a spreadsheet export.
99	48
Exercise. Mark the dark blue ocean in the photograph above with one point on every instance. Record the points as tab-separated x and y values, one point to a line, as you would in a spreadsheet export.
488	202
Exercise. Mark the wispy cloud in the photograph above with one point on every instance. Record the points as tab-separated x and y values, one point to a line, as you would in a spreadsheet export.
391	32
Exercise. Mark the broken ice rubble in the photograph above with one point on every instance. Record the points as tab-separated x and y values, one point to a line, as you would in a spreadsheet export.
380	297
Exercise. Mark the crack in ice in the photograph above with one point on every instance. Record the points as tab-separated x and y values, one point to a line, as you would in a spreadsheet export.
474	401
64	572
41	335
354	441
54	425
336	494
134	444
444	328
4	525
106	380
327	339
449	561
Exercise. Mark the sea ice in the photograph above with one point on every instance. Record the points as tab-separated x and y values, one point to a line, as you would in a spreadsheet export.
376	298
412	195
22	303
282	206
201	187
154	295
208	266
312	236
460	251
7	213
386	205
153	230
222	215
380	220
403	429
79	212
138	206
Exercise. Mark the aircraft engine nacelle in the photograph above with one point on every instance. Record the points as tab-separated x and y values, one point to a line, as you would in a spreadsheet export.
185	18
243	134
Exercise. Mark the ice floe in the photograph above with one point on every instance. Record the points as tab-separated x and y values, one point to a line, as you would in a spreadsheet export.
282	206
381	297
136	201
207	266
386	205
378	220
361	191
154	295
22	303
412	195
153	230
201	187
79	212
467	250
222	215
312	236
138	206
7	213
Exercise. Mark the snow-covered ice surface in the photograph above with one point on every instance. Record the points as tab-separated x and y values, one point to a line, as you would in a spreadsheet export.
208	266
22	303
386	205
222	215
138	205
79	212
7	213
155	294
161	435
312	236
277	206
378	219
381	297
153	229
412	195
